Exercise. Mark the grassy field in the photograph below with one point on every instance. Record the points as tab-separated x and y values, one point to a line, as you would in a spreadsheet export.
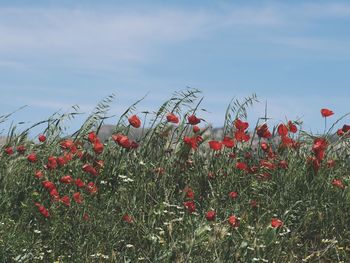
175	194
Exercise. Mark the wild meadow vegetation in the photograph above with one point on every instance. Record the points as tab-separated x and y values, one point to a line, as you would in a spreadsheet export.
260	193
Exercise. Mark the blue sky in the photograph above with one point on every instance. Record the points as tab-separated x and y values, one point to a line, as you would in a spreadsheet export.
293	54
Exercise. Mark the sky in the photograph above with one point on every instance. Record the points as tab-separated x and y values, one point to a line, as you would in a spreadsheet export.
293	54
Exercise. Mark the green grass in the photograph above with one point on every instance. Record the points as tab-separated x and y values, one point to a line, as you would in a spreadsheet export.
149	184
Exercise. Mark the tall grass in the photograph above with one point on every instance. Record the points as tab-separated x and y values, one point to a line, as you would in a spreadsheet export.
291	203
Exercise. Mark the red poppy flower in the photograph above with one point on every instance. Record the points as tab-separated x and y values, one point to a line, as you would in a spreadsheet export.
292	127
42	138
340	132
283	164
263	131
282	130
247	155
98	147
67	179
215	145
253	203
190	206
267	164
43	210
73	149
65	200
61	161
54	195
232	155
86	217
241	125
211	176
78	182
253	169
48	185
39	174
51	163
128	219
233	195
79	154
92	137
91	188
134	121
330	163
326	113
228	142
265	146
242	136
78	198
196	129
210	215
67	144
89	169
287	142
122	140
171	117
9	150
319	148
99	163
265	176
233	221
32	158
192	141
346	128
189	193
193	120
134	145
338	183
241	166
21	149
276	223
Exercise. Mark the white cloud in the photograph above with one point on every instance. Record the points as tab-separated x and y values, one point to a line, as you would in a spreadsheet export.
82	34
101	38
105	37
